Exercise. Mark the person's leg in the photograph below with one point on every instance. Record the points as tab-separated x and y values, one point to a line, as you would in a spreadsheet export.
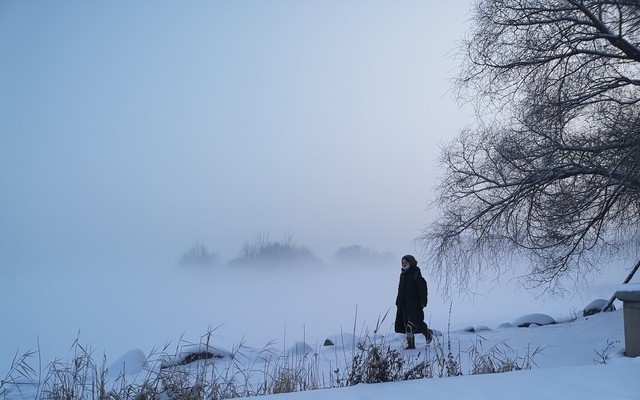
418	325
408	329
428	335
411	340
400	325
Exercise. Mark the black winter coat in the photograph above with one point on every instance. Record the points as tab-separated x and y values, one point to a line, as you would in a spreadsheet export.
410	301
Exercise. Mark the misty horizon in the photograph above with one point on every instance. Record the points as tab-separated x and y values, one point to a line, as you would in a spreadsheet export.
140	129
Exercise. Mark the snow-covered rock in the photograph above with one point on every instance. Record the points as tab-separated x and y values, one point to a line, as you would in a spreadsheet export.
343	340
195	352
478	328
530	319
299	349
595	307
129	364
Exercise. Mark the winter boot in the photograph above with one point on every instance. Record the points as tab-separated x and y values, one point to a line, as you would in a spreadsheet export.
411	342
428	335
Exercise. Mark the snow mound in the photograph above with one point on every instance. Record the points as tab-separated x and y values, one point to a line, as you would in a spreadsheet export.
474	329
343	340
130	363
194	352
533	319
595	307
300	349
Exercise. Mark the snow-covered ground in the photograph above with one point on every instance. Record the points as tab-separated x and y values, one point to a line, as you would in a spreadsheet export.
580	358
611	382
256	316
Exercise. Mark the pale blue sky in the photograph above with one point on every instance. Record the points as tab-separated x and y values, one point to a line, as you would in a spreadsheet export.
134	128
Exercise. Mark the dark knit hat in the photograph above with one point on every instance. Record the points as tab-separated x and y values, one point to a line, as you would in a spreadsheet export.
411	259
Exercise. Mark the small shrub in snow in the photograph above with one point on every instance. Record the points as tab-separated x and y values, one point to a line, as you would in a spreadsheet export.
448	364
605	354
286	380
375	363
499	358
82	378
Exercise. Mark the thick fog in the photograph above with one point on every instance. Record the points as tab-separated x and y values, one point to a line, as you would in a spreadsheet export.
135	130
130	131
112	308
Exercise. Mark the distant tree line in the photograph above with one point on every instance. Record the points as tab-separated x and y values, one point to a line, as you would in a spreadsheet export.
265	251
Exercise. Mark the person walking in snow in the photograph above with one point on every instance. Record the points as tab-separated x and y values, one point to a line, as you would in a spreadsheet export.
411	301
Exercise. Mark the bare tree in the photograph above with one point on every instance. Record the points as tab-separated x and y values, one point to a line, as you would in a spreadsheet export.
285	252
198	254
550	173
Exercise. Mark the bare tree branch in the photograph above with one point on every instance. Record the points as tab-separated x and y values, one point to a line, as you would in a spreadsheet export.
550	174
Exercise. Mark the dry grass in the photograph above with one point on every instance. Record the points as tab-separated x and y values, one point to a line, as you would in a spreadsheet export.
250	372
